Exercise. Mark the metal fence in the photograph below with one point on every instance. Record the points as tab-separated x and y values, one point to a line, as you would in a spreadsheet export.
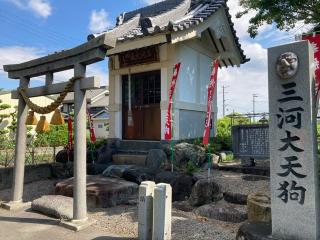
34	154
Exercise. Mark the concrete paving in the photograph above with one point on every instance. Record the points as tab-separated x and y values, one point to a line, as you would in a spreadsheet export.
27	225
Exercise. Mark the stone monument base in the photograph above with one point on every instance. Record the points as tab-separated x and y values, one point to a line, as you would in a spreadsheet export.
255	231
15	206
77	225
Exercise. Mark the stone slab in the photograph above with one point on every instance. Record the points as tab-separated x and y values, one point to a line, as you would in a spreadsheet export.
102	191
76	226
293	147
15	206
57	206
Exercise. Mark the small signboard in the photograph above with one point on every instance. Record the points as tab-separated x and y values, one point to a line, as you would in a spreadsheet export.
250	141
139	56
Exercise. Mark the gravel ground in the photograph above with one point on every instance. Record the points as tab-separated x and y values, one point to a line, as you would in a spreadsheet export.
122	220
233	182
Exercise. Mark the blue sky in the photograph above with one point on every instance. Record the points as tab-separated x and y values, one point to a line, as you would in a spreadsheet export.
34	28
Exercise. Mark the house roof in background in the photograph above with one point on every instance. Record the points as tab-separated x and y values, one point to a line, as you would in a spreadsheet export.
91	94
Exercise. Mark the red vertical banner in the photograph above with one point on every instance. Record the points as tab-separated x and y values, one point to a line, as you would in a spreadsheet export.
211	89
91	129
69	133
168	128
315	42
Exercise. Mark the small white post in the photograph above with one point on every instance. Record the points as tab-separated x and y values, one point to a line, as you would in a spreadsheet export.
145	210
162	206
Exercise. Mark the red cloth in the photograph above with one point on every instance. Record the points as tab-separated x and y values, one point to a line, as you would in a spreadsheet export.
92	134
69	133
168	129
315	42
211	89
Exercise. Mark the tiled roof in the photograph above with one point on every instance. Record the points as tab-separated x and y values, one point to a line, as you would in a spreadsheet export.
173	16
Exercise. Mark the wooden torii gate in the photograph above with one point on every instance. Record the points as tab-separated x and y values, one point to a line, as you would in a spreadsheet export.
77	58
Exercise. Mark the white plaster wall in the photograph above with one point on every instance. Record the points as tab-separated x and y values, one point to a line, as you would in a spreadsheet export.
205	71
192	91
100	132
187	82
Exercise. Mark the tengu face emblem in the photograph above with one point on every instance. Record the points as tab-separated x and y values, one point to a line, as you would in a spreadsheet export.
287	65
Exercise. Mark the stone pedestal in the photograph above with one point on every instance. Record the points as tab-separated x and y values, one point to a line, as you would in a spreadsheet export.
259	208
162	207
145	212
15	205
293	147
77	225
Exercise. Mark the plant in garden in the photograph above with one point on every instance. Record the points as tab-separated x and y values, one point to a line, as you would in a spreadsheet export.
285	14
3	116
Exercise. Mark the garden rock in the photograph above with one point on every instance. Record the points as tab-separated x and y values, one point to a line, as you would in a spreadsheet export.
205	191
60	207
116	171
255	231
181	184
236	198
185	152
96	168
223	211
105	153
102	191
155	158
62	156
62	171
183	206
259	208
223	156
138	174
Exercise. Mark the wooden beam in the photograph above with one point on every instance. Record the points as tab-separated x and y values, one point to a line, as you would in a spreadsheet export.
85	58
86	84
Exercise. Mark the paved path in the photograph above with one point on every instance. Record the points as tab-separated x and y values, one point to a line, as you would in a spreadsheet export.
27	225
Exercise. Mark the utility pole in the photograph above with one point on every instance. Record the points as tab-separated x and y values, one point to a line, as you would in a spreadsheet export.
223	100
254	96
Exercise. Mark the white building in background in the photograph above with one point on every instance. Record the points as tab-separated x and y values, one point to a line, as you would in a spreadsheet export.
97	102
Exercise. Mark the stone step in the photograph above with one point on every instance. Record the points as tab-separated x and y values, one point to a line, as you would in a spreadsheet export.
129	159
134	145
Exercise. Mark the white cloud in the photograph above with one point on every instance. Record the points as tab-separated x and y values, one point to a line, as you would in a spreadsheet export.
18	54
250	78
41	8
99	21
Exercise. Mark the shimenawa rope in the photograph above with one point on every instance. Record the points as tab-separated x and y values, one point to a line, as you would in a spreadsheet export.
54	105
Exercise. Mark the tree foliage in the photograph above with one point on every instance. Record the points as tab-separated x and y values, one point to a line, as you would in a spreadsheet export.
56	136
224	130
284	13
3	116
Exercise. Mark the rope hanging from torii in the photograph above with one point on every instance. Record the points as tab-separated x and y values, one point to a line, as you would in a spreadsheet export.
54	105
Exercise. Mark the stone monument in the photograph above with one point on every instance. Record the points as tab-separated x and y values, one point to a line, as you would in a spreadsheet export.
162	206
293	149
145	210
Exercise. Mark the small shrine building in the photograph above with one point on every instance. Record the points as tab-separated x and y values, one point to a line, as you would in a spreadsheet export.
149	42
